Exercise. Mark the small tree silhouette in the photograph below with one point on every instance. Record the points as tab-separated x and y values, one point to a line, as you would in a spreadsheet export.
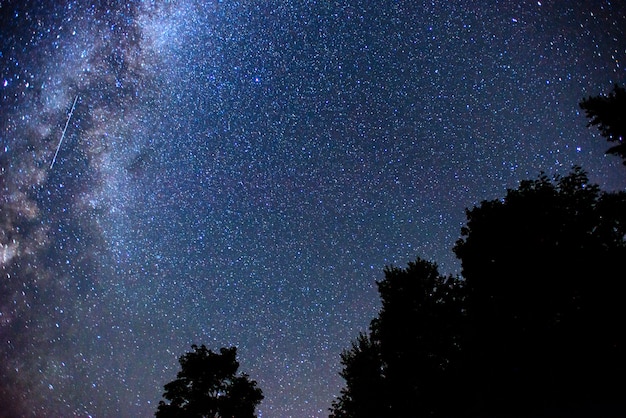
207	387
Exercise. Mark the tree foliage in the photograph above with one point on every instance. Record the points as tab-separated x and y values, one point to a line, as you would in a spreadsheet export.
363	394
408	362
544	270
609	114
534	328
208	387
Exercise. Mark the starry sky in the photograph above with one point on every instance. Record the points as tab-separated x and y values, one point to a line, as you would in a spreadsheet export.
240	172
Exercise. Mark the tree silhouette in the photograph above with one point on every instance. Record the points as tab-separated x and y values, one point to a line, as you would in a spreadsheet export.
609	114
544	271
362	370
407	365
535	328
207	387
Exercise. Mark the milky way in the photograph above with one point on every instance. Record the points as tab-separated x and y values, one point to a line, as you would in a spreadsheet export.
239	173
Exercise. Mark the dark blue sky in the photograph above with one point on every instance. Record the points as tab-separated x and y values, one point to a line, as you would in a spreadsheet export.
239	173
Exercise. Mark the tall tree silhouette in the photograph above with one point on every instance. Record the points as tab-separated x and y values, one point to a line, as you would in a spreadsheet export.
410	361
544	271
207	387
609	114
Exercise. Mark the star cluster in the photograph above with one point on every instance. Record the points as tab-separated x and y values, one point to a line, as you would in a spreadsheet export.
239	173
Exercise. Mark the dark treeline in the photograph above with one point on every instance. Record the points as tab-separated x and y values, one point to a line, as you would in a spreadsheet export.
535	327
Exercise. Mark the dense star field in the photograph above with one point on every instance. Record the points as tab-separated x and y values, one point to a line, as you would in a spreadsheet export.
240	172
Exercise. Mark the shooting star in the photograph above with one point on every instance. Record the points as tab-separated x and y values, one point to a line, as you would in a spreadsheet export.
67	122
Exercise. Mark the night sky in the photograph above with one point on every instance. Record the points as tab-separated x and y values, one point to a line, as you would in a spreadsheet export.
240	172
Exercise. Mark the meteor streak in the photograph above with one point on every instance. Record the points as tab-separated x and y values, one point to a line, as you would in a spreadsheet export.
67	122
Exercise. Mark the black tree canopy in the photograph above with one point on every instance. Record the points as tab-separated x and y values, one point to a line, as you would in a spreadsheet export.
207	387
534	328
544	270
410	360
